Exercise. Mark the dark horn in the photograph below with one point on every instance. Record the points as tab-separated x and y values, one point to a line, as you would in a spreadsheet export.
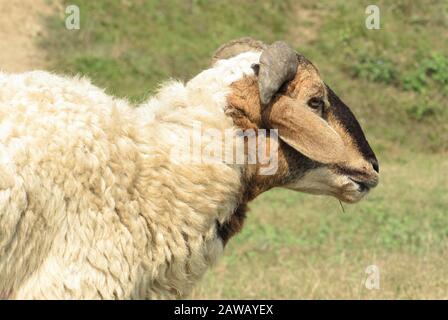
278	64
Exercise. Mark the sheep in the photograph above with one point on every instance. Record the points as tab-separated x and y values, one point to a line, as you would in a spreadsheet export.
93	204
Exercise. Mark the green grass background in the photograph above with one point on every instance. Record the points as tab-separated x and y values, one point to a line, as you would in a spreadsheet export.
394	79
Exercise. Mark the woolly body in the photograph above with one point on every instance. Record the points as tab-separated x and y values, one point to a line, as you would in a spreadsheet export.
92	205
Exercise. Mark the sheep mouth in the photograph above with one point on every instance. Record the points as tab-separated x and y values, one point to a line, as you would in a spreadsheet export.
363	186
355	189
360	182
349	188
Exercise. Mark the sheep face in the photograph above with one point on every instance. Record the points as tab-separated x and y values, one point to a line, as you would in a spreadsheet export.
313	121
322	148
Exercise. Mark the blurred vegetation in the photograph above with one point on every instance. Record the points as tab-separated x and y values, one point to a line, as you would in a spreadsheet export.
394	79
131	46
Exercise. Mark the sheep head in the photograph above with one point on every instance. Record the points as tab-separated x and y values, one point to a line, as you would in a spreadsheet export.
322	148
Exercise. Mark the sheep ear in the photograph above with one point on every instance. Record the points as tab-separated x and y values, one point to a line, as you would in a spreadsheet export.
305	131
235	47
278	64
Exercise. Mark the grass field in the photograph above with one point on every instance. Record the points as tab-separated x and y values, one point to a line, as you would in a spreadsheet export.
395	80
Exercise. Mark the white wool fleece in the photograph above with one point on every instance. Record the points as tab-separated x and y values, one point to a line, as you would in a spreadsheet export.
92	205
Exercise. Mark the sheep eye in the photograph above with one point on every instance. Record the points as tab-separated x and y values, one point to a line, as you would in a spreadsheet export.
316	103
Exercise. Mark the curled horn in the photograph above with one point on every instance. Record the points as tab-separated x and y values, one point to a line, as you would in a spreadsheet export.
236	47
278	64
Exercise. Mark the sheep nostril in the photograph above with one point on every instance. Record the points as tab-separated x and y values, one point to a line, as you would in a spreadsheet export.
375	165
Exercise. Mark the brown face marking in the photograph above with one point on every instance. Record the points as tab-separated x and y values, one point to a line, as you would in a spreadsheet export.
245	109
247	113
306	84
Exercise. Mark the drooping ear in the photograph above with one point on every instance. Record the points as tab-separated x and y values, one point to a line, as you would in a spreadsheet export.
305	131
278	64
